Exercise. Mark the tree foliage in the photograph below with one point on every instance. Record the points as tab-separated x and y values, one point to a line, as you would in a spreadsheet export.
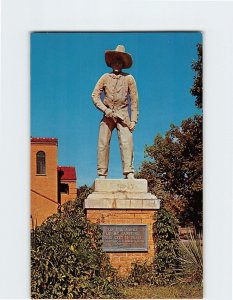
174	170
82	193
67	260
196	89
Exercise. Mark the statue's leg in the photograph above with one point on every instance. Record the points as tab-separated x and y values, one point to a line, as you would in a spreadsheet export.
105	133
125	138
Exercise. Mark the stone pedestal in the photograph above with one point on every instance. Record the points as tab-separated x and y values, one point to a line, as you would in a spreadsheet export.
126	204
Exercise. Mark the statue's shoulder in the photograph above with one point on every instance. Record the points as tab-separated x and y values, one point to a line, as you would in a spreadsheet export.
130	78
105	75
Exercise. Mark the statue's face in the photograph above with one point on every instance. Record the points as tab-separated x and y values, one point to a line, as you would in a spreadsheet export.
117	66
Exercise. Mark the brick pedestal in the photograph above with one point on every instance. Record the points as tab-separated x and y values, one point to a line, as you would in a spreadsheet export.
123	201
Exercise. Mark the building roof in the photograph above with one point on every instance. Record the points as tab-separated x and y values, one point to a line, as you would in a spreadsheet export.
69	173
39	140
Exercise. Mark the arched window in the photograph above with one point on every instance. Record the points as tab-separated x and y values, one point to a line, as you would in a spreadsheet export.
40	163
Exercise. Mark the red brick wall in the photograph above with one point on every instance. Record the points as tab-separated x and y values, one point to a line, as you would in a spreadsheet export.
72	191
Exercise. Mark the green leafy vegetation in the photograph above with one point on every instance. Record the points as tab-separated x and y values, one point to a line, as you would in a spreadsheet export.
181	278
190	258
177	261
196	89
67	260
163	270
142	273
167	245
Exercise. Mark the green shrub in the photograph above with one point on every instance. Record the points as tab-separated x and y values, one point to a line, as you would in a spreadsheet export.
167	247
163	270
190	260
82	192
177	261
67	260
142	273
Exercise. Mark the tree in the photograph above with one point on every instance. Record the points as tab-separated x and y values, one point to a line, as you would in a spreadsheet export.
174	170
174	163
196	89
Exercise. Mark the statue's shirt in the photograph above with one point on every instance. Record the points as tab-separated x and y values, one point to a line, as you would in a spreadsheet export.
116	90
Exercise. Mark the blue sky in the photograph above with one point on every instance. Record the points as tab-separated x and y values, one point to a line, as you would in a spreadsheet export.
64	70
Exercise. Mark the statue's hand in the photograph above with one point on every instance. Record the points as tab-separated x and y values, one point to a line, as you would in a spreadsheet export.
108	113
132	126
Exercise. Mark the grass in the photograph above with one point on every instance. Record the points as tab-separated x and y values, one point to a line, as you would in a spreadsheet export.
181	291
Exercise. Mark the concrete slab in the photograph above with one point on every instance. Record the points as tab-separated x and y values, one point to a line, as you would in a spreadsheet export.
146	204
120	185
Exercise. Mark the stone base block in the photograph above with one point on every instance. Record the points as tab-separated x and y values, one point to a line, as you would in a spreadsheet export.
103	203
121	185
121	194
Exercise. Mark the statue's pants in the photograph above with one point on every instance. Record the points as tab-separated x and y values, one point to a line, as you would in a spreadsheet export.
125	138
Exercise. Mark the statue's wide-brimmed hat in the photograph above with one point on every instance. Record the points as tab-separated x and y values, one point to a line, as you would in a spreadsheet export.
111	55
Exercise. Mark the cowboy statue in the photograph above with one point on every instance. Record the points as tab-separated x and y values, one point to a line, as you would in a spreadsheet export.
118	88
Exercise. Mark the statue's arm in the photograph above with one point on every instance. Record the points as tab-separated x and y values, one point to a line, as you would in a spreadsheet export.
133	99
96	94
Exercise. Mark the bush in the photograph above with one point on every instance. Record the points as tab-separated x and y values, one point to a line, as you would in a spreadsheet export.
177	262
190	260
67	260
163	270
167	246
142	273
82	192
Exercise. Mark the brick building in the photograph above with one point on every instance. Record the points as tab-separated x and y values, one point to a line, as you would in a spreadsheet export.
51	185
67	180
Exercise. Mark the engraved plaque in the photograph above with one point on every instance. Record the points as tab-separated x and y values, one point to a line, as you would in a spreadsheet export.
124	238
